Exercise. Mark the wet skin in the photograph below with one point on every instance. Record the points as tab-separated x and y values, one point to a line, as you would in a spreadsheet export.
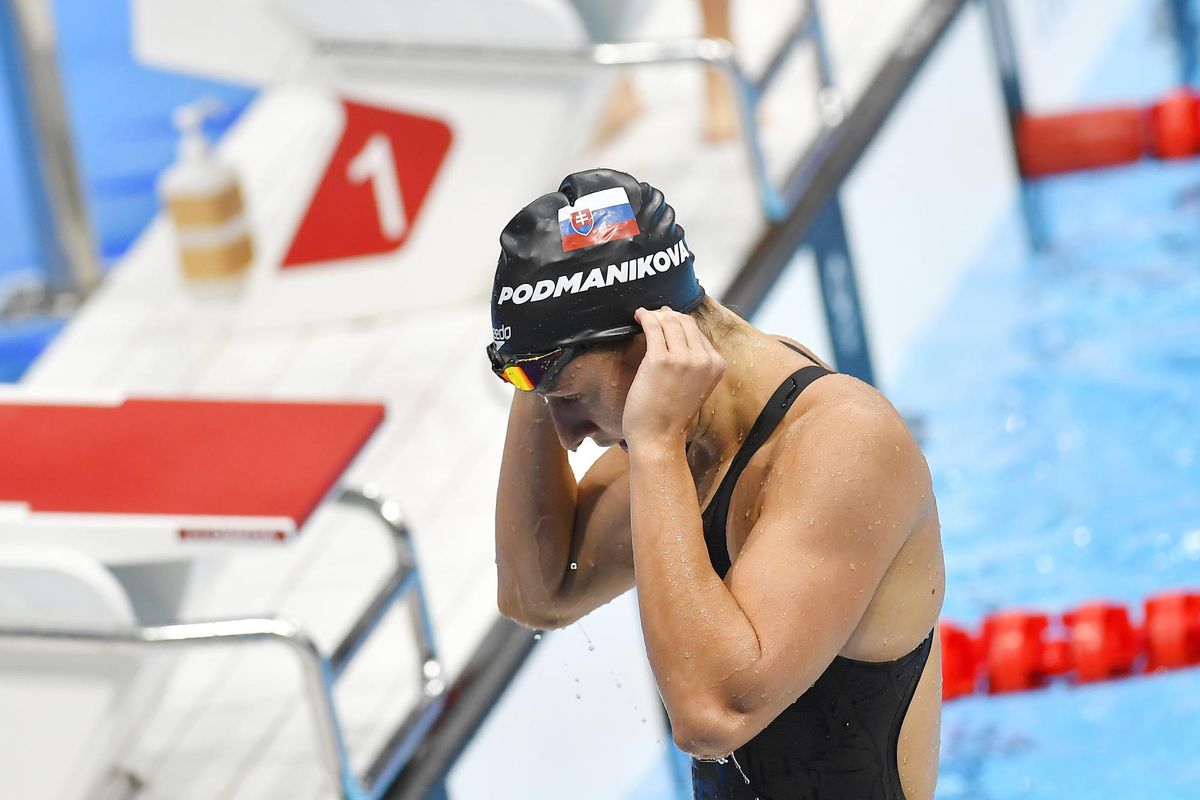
832	533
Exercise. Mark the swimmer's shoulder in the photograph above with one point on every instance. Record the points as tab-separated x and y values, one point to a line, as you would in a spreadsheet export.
837	405
844	426
803	349
834	388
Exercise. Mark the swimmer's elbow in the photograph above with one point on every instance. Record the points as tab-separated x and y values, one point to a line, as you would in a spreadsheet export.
545	617
698	746
707	734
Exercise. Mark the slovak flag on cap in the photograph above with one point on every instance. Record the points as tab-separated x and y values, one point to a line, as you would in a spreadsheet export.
597	217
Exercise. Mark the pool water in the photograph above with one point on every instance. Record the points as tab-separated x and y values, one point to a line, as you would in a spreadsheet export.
1061	399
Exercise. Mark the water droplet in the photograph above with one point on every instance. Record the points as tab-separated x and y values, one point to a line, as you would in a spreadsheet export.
1082	536
585	636
578	695
739	767
537	636
574	565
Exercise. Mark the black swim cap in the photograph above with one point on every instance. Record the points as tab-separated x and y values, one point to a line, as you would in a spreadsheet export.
575	264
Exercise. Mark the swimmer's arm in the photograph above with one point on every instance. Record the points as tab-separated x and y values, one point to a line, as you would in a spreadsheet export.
693	626
738	652
545	521
535	505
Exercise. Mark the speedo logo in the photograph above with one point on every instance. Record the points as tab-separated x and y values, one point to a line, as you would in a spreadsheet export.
597	277
501	335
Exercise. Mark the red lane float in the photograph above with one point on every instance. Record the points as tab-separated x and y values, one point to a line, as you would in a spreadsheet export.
1019	650
1058	143
1172	631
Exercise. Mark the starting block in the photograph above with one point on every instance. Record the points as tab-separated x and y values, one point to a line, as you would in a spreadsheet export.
142	480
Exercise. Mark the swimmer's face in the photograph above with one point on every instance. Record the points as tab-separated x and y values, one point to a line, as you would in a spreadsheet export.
587	397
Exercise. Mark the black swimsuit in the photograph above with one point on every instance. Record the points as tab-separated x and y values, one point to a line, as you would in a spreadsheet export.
838	740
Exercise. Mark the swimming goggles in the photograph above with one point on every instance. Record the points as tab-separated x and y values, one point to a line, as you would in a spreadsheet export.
530	372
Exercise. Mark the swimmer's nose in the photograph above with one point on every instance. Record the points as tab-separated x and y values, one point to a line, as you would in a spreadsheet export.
570	433
570	442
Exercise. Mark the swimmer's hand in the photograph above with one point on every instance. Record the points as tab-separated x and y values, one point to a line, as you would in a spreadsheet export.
678	373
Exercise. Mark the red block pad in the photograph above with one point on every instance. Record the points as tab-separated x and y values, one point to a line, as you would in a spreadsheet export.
1103	642
154	456
1172	631
960	666
1084	140
1013	651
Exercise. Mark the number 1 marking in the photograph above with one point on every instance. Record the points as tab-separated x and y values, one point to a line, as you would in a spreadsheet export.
375	163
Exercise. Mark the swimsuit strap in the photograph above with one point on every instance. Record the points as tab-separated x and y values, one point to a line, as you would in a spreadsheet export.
714	516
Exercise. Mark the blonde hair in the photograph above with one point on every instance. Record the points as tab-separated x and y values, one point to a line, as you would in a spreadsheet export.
718	322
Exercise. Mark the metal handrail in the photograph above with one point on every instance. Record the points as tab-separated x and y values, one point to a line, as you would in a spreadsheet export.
62	230
835	153
496	660
320	672
717	53
317	670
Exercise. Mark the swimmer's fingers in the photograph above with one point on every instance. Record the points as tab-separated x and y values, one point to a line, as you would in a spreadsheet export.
677	341
704	354
656	343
